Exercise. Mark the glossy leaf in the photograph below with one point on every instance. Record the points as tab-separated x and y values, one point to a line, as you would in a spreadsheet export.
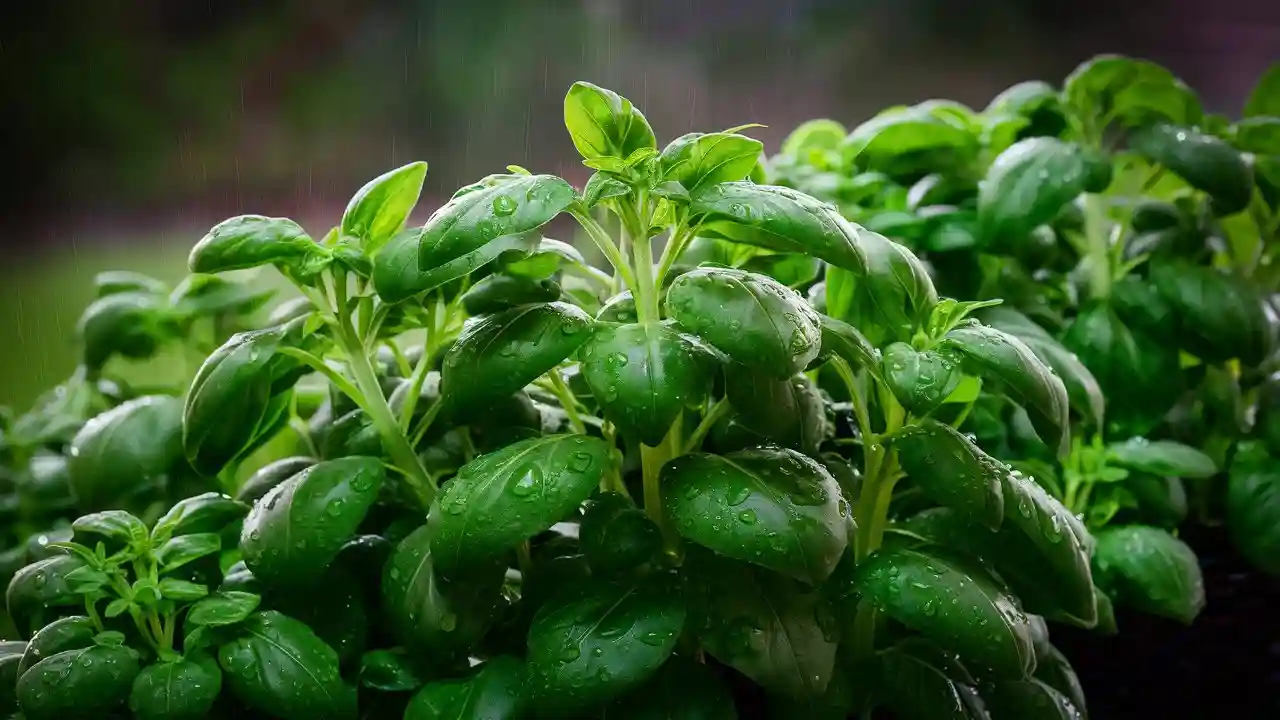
211	295
278	666
1162	457
1220	317
985	625
1031	699
111	526
590	644
1148	569
920	380
184	549
130	447
1205	162
644	375
204	513
378	210
953	471
38	586
270	475
890	300
769	506
498	355
427	611
500	499
68	633
10	656
182	689
1038	102
226	607
698	160
791	413
1053	669
616	536
501	291
995	355
899	134
770	628
297	529
397	277
1253	508
752	318
1130	90
493	693
924	681
389	671
602	186
603	124
1029	184
83	683
249	241
778	218
131	325
846	342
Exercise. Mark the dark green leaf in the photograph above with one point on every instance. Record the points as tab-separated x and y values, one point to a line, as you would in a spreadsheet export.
186	548
111	526
211	295
960	607
278	666
209	512
770	628
251	240
902	134
1220	317
389	671
86	683
920	380
1253	507
396	275
296	530
182	689
131	324
923	681
791	413
1028	699
1029	184
603	124
427	611
1053	670
1162	457
501	499
847	343
494	693
1112	87
38	586
680	689
378	210
1036	101
129	447
752	318
1148	569
891	300
1204	161
769	506
270	475
778	218
68	633
1265	98
643	376
995	355
697	160
501	291
588	646
226	607
498	355
616	536
953	471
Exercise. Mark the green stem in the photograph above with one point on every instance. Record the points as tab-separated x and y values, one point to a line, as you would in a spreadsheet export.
1099	257
602	240
864	633
717	411
416	379
330	374
567	401
91	609
680	237
645	288
651	461
525	559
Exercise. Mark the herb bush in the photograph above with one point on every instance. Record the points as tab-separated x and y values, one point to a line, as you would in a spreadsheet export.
469	475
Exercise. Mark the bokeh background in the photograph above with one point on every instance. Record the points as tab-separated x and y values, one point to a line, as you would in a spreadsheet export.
129	127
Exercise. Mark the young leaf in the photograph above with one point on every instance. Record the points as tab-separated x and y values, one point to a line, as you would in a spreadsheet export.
278	666
1029	184
616	536
772	629
1149	570
1204	161
497	355
1129	90
810	135
602	186
249	241
890	300
500	499
603	124
1038	103
920	380
697	160
225	607
769	506
1162	457
296	530
992	354
752	318
181	590
209	512
378	210
496	691
176	689
917	588
591	644
116	527
132	444
186	548
847	343
644	375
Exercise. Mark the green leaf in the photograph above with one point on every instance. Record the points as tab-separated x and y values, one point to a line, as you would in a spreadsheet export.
428	612
501	499
821	134
1220	317
112	282
396	275
1162	457
1029	698
593	642
924	681
769	506
603	124
68	633
267	477
85	683
1037	102
225	607
920	380
209	512
600	187
697	160
378	210
791	413
498	355
126	449
1265	98
111	526
752	318
643	376
211	295
995	355
890	300
680	689
847	343
186	548
389	671
117	607
181	590
279	667
1112	87
616	536
906	139
776	631
40	586
1148	569
1253	507
182	689
1053	669
495	692
1083	392
131	325
777	218
1205	162
500	291
960	607
249	241
297	529
1029	184
452	243
953	471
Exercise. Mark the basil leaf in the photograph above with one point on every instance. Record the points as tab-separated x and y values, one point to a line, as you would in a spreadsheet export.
1053	669
1253	507
115	527
297	529
249	241
82	683
1150	570
1162	457
501	499
697	160
769	506
131	325
920	380
1035	101
603	124
496	692
397	277
905	140
187	548
890	300
270	475
378	209
1204	161
226	607
1220	317
1030	183
752	318
68	633
38	587
128	448
204	513
501	291
1031	699
279	667
680	689
848	343
1129	90
917	588
791	413
616	536
176	689
924	681
953	471
112	282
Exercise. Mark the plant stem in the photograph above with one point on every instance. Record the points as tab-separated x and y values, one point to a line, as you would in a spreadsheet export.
567	401
651	461
90	609
713	415
416	380
645	289
1099	257
602	240
680	237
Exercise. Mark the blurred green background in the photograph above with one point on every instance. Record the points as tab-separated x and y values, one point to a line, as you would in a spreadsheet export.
131	127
